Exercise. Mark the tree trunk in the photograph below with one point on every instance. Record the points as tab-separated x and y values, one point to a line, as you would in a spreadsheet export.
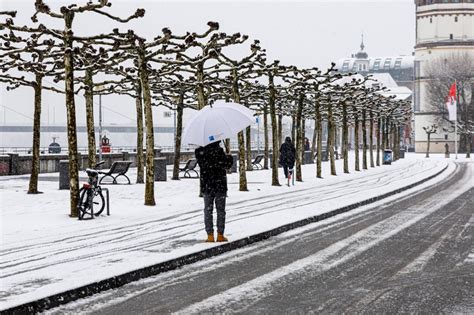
248	144
364	141
293	128
89	96
356	140
265	136
428	145
387	128
275	139
298	129
319	146
331	139
280	125
240	137
469	145
396	133
315	137
177	142
345	138
382	133
378	141
201	96
139	110
303	137
71	117
150	141
371	139
35	159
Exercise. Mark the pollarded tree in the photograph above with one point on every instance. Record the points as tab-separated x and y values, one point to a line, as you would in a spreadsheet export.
67	14
176	93
241	69
442	73
25	51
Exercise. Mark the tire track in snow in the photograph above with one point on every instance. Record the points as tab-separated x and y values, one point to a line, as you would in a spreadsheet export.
142	240
131	232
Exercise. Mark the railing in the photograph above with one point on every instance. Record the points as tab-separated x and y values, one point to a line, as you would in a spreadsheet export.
113	149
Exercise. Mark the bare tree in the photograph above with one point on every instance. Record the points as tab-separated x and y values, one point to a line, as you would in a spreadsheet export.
26	51
67	14
442	73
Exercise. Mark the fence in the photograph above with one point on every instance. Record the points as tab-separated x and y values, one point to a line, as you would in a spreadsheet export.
16	164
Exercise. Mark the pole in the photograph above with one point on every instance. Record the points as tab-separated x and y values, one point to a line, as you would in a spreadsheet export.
100	127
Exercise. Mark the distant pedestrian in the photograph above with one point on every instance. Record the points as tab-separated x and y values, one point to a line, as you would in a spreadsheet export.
306	144
213	163
287	155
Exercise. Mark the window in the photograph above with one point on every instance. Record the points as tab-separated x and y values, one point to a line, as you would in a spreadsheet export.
398	63
450	36
345	65
360	67
455	19
387	63
377	64
167	114
431	20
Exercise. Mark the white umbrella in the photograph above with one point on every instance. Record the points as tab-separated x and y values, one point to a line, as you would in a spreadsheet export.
217	122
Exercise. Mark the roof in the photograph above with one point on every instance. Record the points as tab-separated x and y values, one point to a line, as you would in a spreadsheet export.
378	63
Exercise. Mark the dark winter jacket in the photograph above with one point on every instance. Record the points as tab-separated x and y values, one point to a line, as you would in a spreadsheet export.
287	153
213	163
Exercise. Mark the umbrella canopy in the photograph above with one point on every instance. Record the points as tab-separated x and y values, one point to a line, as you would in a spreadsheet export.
217	122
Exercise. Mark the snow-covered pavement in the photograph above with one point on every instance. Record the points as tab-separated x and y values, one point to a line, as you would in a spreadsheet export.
45	252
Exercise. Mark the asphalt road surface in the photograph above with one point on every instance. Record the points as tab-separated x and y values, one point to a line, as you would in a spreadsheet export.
412	255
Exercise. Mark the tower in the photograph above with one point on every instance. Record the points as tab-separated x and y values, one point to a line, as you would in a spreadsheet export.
444	28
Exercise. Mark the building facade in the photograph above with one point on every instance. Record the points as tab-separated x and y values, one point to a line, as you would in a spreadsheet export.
400	68
443	28
396	73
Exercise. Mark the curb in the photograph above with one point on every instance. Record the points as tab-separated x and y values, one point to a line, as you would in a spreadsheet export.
120	280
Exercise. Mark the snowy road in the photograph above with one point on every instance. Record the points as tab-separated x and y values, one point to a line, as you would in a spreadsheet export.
414	254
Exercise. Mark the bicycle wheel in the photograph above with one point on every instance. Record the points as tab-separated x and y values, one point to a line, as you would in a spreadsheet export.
99	202
83	205
86	205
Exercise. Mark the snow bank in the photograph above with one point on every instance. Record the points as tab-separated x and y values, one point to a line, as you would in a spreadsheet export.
45	252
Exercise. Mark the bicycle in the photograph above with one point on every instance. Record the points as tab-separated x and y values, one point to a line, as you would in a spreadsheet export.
91	194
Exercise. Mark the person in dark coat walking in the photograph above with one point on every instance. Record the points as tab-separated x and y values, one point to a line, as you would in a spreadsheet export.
287	155
213	164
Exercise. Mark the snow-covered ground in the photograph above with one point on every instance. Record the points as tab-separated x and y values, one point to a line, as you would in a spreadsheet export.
44	252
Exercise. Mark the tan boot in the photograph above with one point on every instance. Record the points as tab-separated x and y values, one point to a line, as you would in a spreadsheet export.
210	238
221	238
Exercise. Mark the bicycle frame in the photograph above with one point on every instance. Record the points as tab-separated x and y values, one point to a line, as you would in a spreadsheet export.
93	188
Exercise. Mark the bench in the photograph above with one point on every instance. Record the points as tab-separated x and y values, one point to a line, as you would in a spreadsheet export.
256	163
189	167
118	169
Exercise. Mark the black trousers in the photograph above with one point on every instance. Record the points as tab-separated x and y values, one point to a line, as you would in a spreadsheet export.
219	200
286	168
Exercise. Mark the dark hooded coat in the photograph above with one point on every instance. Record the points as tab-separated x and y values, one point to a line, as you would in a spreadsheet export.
287	153
213	164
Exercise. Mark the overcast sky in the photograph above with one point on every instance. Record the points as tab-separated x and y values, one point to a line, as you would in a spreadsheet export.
303	33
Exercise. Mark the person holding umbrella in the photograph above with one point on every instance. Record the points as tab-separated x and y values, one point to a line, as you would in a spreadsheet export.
211	124
213	164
